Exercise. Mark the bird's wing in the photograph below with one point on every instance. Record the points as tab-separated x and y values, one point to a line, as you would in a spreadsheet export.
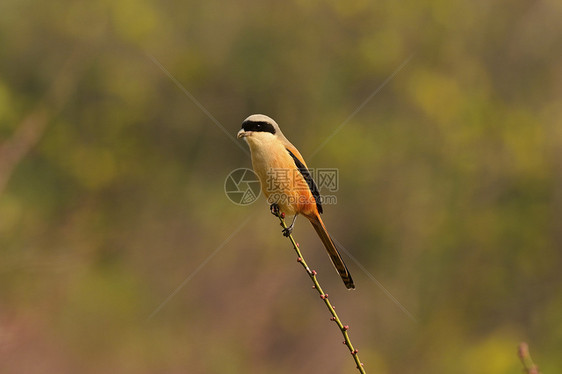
299	163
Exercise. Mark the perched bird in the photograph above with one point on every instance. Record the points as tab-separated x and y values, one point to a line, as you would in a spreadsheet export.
286	181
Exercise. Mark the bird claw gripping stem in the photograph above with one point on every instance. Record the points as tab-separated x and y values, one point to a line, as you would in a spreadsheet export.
274	208
287	231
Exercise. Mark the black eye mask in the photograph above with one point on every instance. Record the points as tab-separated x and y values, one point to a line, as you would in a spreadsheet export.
258	126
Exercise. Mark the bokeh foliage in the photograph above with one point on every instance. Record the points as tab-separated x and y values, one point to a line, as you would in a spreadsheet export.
450	185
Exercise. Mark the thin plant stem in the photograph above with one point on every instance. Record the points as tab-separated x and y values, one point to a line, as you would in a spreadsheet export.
526	360
324	296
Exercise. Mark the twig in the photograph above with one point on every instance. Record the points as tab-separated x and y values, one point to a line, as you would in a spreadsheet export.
526	360
324	296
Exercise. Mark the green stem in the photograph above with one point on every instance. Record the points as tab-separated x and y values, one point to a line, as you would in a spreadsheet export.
324	296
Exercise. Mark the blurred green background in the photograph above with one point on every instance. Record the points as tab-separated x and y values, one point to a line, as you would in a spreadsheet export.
111	185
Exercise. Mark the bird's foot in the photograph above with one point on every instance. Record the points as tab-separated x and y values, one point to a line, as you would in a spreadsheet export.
274	208
287	230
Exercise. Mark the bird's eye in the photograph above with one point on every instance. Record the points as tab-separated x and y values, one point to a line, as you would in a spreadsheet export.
259	126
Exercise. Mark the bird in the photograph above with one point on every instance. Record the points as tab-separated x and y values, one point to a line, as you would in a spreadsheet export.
287	182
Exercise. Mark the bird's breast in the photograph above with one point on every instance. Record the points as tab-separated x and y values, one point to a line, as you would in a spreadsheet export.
282	183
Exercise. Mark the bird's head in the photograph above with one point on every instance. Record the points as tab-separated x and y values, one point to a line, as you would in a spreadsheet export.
258	127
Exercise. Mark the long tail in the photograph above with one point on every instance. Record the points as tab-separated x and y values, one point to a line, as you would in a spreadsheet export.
332	250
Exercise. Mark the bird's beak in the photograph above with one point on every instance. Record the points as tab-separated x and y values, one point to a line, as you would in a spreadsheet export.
242	134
